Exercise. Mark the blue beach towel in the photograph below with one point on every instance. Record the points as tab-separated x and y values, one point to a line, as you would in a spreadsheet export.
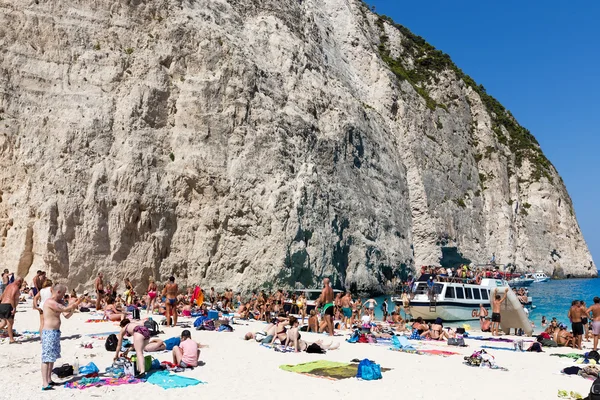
168	380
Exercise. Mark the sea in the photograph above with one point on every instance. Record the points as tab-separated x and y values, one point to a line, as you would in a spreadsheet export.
550	299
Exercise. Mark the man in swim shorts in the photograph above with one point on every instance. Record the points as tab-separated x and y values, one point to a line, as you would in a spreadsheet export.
594	310
496	303
50	335
326	299
8	307
576	314
346	309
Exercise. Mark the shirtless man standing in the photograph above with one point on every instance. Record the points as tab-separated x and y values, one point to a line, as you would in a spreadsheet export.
496	303
38	281
8	307
326	300
170	292
99	291
346	310
575	315
594	310
50	335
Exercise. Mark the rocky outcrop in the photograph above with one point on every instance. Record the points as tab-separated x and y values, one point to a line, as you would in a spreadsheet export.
245	143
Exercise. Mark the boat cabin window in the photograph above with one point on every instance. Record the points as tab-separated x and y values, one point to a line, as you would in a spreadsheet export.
421	288
450	292
460	293
476	294
468	293
484	294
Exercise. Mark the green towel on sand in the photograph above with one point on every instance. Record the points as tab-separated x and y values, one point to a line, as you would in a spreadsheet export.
307	367
326	369
574	356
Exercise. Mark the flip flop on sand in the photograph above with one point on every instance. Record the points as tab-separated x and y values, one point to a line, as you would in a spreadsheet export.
47	388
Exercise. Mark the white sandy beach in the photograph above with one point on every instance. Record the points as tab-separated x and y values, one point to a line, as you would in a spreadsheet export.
238	369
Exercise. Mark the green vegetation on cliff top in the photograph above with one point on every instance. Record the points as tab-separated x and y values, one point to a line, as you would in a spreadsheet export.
428	63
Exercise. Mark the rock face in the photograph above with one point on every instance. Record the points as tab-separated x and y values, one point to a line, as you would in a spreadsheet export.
247	143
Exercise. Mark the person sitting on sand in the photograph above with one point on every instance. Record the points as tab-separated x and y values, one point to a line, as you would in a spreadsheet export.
186	355
313	322
397	322
293	339
280	331
421	328
140	336
562	337
437	331
111	312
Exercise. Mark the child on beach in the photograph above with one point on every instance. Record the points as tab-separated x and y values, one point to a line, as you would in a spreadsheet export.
186	355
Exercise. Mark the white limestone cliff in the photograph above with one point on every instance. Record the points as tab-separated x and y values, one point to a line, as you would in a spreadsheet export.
248	143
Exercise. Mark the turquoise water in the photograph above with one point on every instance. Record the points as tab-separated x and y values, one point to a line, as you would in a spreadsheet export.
551	299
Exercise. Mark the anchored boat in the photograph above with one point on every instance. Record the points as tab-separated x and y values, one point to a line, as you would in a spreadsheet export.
452	299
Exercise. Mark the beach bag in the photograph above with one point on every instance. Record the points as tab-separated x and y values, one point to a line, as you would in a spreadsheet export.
147	363
152	327
226	328
535	346
172	342
111	342
63	371
135	313
363	339
368	370
198	322
84	309
89	369
353	338
595	390
208	325
456	342
593	355
315	349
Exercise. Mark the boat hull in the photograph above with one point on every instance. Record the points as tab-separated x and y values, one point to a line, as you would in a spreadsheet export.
447	312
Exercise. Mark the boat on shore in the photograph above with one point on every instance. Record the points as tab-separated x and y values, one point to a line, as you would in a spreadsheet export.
452	299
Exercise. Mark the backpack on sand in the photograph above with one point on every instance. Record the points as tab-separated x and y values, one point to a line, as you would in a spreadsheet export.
152	327
111	342
368	370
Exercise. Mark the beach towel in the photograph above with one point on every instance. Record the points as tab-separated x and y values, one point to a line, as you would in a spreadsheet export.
85	383
168	380
497	348
96	320
326	369
412	350
574	356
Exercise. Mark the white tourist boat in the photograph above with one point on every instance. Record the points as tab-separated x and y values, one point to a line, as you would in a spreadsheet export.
452	300
538	276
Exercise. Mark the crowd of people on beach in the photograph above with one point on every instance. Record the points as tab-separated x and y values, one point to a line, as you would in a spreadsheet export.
286	315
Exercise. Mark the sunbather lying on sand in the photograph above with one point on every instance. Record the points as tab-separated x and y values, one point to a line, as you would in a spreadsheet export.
293	339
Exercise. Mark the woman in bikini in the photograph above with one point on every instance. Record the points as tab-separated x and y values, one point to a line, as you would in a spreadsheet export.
280	330
140	336
152	294
301	302
111	312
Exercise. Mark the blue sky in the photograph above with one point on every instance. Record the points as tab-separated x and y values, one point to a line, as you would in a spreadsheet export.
541	60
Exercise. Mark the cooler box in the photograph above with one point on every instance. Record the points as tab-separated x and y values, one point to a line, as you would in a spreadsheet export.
213	314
